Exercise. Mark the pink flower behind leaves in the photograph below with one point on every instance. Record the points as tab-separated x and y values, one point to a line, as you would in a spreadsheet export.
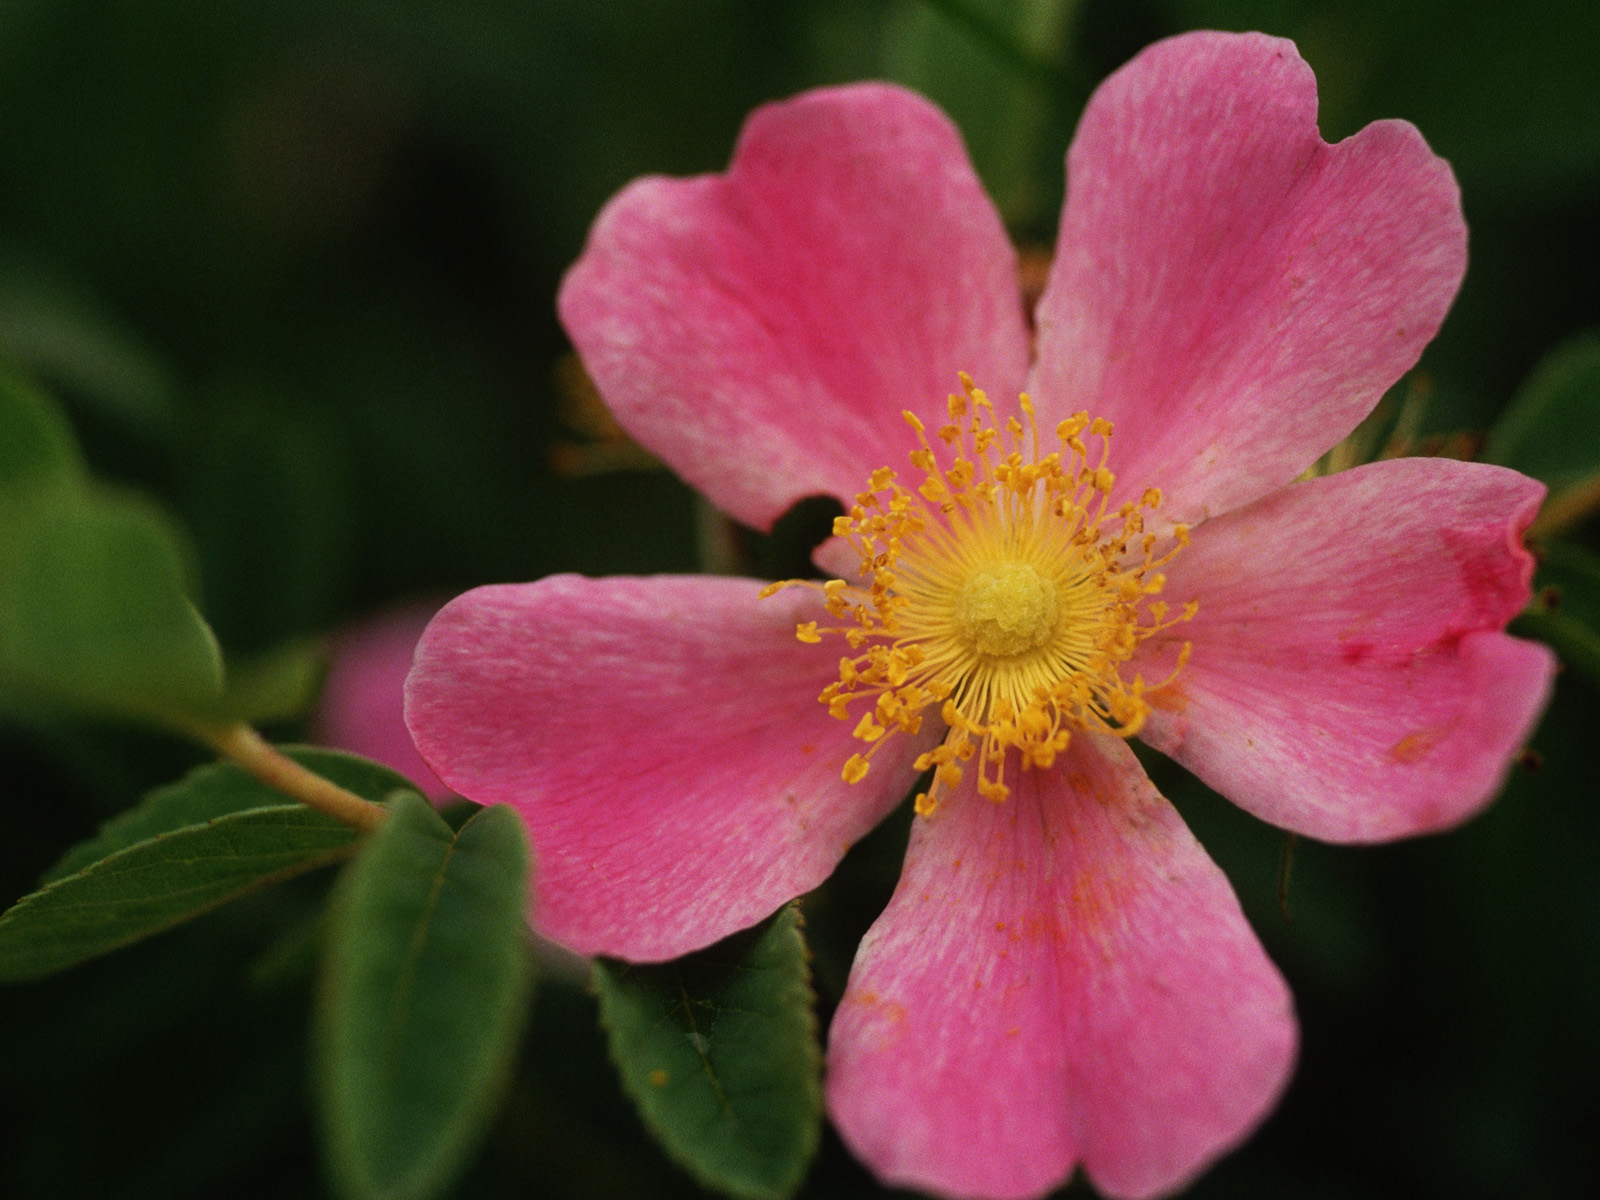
1062	977
362	704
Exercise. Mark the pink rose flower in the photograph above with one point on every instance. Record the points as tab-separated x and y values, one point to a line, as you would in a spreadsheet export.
1062	976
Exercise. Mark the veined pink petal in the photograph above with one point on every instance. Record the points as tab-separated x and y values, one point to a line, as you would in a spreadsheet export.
1231	291
761	331
1349	679
1065	977
360	709
663	741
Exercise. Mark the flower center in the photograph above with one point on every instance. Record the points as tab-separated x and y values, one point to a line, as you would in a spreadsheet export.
1006	609
1005	590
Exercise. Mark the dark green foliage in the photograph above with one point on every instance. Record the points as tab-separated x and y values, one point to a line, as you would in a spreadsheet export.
94	613
94	606
216	836
220	790
1552	428
719	1051
423	996
1566	610
155	884
37	449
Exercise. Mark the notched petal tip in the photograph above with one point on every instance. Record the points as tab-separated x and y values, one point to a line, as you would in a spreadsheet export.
1198	185
719	316
1063	979
1350	679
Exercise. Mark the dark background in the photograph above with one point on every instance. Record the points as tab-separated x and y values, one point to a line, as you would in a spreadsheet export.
291	266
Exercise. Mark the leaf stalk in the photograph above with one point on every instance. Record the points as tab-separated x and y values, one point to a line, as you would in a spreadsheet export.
243	745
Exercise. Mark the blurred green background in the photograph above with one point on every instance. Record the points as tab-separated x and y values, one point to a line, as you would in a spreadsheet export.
291	268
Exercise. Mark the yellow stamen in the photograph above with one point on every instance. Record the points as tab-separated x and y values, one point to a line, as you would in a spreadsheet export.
1002	589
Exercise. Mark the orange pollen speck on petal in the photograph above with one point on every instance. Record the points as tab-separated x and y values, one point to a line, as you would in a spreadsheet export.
1002	592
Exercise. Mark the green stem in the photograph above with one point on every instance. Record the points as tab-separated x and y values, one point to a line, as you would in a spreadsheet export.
244	746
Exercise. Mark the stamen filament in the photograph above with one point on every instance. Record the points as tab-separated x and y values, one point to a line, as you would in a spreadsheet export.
1003	589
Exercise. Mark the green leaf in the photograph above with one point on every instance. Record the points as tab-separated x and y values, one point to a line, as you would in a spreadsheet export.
275	686
36	443
155	884
719	1051
267	502
218	790
94	607
1566	612
94	614
1001	69
425	988
63	336
1552	430
214	836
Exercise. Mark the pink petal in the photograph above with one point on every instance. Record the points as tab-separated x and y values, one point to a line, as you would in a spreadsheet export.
663	740
360	709
1064	977
1231	291
761	331
1349	678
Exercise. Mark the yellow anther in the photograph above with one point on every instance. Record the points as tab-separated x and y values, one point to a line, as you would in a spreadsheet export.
1005	592
992	790
867	729
807	632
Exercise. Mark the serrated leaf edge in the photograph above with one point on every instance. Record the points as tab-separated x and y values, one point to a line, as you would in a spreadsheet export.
312	863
